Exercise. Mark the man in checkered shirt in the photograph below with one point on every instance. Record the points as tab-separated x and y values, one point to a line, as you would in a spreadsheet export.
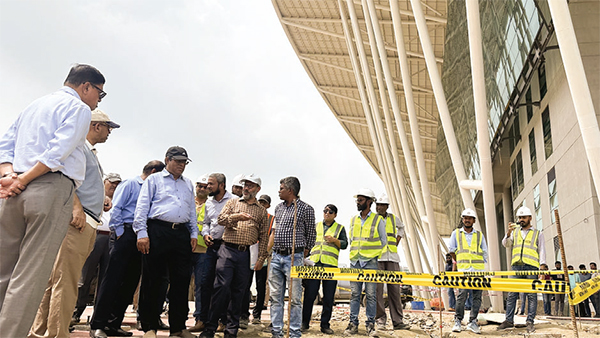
284	247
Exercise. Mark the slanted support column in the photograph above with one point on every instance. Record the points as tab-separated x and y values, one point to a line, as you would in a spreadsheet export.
578	85
483	140
440	99
431	225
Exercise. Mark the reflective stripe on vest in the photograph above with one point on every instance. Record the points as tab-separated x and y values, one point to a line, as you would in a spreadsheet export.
391	230
365	237
200	222
323	251
468	256
525	251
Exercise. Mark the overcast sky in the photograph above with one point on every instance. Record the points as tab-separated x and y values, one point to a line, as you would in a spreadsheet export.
219	78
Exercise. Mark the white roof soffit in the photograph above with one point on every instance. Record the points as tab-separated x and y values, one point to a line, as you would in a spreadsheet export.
315	31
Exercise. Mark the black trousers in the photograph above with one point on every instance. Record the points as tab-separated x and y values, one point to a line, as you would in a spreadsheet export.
208	282
122	277
231	279
261	290
311	289
170	255
95	265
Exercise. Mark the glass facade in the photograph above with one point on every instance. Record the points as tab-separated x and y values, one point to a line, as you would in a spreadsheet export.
532	153
547	133
509	31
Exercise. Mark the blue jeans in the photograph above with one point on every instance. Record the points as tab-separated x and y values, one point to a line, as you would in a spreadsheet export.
547	304
511	301
451	298
371	295
279	276
199	263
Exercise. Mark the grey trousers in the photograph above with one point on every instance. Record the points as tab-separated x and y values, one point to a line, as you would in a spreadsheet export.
394	301
32	227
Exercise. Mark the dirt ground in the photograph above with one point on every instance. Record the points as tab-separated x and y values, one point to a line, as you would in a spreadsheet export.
423	324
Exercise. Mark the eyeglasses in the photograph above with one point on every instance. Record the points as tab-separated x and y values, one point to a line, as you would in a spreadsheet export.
107	126
327	211
101	93
186	162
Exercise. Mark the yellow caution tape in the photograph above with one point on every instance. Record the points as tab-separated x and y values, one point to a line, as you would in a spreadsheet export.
584	290
514	273
446	281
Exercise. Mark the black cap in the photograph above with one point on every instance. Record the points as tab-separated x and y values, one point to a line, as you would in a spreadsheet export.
265	198
177	153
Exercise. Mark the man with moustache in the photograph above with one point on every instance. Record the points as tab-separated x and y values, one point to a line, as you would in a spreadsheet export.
122	277
165	225
212	232
528	252
245	222
469	249
286	243
367	240
42	162
54	313
199	255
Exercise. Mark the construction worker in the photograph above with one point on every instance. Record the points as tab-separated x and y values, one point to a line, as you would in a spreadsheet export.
528	252
469	249
331	238
390	261
367	240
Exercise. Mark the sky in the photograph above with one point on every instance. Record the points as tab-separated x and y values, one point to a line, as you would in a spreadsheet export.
219	78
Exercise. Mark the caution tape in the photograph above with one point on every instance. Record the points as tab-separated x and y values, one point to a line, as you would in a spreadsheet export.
513	273
584	290
429	280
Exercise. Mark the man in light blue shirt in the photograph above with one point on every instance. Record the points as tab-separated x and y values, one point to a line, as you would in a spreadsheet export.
213	237
165	224
42	161
124	268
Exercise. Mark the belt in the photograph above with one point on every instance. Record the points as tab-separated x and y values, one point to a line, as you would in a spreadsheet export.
238	247
217	241
102	232
288	251
172	225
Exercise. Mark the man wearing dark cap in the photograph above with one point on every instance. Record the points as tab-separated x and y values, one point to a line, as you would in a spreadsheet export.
165	224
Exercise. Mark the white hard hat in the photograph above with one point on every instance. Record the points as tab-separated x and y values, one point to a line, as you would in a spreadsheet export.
237	181
202	179
523	211
383	199
367	193
252	178
468	212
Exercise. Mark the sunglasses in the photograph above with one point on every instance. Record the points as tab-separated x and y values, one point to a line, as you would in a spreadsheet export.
327	211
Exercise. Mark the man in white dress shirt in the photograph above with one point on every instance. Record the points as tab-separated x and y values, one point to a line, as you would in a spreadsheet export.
42	161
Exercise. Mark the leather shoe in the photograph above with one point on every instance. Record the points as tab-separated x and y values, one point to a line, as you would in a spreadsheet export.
162	325
327	330
117	332
98	334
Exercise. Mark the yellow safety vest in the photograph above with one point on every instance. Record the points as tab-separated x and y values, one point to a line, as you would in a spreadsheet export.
391	230
525	251
365	237
468	256
200	212
323	251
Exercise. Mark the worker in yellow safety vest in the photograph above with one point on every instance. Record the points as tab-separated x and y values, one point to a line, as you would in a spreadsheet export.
367	240
331	238
199	255
528	252
469	249
389	261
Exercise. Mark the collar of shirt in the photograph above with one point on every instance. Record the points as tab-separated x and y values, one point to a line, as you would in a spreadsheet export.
468	233
363	219
246	201
70	91
139	179
166	173
91	147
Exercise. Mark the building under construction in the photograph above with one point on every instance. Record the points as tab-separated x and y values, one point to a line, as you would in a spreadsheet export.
483	104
